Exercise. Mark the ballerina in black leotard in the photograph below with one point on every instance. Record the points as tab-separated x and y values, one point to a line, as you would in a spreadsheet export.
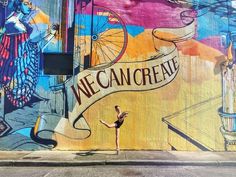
117	124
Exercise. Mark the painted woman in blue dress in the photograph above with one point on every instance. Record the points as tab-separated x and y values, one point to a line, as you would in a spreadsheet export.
20	54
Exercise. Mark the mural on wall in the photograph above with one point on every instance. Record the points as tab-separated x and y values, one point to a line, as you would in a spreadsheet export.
221	33
159	60
27	31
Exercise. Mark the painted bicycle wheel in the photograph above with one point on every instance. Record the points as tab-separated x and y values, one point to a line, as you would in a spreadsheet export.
109	37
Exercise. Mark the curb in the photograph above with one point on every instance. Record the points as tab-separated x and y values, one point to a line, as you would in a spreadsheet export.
20	163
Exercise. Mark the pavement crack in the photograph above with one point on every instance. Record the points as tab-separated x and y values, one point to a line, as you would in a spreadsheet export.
46	175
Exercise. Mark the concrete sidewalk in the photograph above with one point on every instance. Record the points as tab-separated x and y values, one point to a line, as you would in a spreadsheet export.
85	158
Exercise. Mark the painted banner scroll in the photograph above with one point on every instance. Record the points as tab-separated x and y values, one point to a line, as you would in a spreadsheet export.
93	84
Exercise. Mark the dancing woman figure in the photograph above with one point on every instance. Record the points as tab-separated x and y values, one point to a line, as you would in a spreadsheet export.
117	124
19	54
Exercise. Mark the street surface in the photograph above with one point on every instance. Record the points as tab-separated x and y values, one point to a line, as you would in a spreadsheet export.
119	171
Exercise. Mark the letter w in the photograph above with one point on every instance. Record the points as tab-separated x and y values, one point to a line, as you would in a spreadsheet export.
83	89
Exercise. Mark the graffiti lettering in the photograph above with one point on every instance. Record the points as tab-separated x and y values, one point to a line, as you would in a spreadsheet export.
113	77
86	89
99	80
135	78
124	77
141	76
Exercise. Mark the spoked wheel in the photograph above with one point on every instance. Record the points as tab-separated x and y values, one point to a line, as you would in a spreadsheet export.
109	38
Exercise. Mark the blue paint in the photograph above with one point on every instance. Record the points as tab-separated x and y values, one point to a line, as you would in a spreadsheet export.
210	25
134	30
53	47
214	18
26	8
24	132
43	82
83	22
39	31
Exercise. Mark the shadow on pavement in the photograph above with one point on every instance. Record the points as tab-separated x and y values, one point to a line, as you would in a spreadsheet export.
94	152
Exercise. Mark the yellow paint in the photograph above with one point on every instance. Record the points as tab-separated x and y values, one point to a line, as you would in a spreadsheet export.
165	35
41	17
230	55
179	143
144	129
136	51
36	125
